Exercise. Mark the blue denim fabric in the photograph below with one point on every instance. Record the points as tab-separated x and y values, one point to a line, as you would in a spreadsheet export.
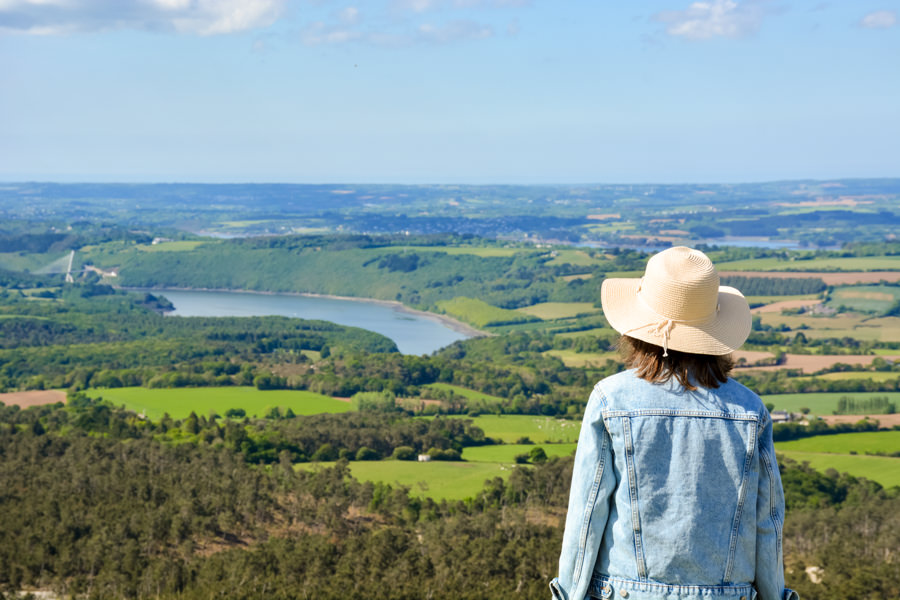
675	495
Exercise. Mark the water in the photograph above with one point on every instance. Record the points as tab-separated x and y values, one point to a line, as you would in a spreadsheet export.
413	333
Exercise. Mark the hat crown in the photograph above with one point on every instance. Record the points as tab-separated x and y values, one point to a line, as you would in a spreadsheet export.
681	284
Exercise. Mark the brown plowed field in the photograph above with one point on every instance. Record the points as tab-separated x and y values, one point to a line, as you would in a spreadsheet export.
33	398
845	278
777	307
751	356
884	421
810	363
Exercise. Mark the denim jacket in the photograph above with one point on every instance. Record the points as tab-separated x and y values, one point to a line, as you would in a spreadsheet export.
675	495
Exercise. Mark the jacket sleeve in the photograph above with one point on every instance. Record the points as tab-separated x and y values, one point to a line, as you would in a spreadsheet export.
770	523
593	483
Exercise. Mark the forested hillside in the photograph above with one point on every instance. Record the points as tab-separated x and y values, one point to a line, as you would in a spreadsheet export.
99	503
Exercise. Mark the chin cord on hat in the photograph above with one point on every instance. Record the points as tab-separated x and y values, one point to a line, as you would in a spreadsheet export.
663	327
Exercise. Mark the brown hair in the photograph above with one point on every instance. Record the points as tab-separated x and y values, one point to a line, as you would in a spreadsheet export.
689	369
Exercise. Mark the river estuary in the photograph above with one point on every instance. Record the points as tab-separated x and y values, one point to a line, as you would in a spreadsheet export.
414	332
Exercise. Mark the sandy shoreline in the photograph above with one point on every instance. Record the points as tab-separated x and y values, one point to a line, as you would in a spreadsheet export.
447	321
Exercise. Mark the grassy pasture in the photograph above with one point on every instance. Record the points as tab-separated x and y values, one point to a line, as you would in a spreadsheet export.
435	479
865	298
772	299
578	258
605	332
466	393
20	261
479	312
507	453
863	263
177	246
509	428
482	252
579	276
571	358
822	403
844	443
883	469
858	375
180	402
559	310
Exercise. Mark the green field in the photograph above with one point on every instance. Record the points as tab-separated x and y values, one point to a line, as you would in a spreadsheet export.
435	479
855	375
180	402
578	258
885	470
506	453
822	403
489	252
605	332
752	300
863	263
179	246
540	430
466	393
479	312
559	310
21	261
844	443
571	358
865	298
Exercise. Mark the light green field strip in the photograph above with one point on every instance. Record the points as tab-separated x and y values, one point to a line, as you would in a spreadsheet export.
571	358
539	430
578	258
884	470
15	261
179	246
482	252
506	453
844	443
865	263
771	299
559	310
823	403
435	479
180	402
603	331
466	393
878	376
479	312
867	298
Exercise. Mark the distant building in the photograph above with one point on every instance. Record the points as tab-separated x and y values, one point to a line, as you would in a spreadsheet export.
782	416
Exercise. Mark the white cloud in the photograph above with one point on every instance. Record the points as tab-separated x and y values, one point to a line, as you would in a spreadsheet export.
880	19
421	6
199	17
349	15
717	18
454	31
318	34
417	6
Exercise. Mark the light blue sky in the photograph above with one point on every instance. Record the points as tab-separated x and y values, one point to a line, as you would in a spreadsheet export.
463	91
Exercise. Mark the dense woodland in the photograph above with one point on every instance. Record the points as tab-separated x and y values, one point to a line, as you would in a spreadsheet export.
99	503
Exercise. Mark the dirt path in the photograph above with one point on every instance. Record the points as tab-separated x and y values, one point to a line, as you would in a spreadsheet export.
33	398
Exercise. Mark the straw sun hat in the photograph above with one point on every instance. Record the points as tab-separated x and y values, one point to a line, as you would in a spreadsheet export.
678	304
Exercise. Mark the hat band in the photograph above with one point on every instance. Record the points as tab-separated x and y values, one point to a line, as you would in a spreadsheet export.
663	327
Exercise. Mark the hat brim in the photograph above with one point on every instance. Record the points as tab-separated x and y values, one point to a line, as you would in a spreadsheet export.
723	333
